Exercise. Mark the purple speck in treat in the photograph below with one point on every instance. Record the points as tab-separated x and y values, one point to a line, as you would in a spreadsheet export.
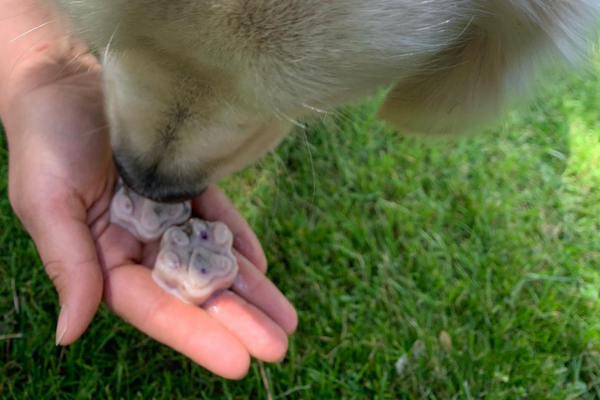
203	270
204	235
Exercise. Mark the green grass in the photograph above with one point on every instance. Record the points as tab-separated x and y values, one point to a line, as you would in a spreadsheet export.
474	260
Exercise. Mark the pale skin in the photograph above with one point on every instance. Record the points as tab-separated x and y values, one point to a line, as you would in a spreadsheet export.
61	179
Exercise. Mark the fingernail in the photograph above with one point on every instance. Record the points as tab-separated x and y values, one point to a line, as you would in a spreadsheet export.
63	323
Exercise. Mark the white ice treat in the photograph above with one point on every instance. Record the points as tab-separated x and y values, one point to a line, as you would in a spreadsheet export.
195	260
144	218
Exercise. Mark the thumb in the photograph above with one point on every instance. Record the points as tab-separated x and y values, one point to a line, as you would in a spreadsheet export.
69	255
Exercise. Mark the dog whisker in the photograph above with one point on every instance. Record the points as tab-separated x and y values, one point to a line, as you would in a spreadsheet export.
312	166
95	130
69	63
315	109
27	50
78	67
430	27
303	129
110	41
21	58
290	119
90	68
33	30
466	27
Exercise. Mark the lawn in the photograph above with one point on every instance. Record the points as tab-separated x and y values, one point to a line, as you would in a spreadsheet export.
456	269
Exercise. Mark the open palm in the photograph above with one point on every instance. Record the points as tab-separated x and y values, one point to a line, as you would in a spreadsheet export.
61	180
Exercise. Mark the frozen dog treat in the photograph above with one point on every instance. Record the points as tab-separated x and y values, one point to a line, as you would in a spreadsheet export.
144	218
195	260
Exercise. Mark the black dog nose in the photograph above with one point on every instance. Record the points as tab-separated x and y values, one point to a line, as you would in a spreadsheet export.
147	182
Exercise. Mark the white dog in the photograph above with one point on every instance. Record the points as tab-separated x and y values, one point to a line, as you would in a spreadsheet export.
197	89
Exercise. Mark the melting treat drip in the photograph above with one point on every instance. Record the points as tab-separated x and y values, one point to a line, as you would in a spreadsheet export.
196	260
144	218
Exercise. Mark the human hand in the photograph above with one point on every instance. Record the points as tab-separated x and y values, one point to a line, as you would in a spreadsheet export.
61	180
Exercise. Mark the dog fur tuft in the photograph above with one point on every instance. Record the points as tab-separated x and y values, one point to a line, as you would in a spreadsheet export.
492	63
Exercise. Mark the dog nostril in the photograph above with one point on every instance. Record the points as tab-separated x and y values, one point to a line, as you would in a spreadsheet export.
170	195
121	170
130	176
148	183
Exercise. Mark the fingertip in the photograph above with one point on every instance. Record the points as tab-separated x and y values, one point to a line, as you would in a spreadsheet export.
62	325
278	350
227	357
290	324
70	259
237	372
263	338
78	307
79	287
259	291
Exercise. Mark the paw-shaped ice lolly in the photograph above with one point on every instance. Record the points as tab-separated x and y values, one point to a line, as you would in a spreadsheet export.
195	260
144	218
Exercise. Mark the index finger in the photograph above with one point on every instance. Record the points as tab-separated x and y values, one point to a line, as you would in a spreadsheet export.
213	205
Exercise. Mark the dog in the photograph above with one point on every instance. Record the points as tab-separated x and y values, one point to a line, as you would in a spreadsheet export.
197	89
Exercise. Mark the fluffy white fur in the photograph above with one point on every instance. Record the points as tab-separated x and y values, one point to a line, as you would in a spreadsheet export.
197	89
